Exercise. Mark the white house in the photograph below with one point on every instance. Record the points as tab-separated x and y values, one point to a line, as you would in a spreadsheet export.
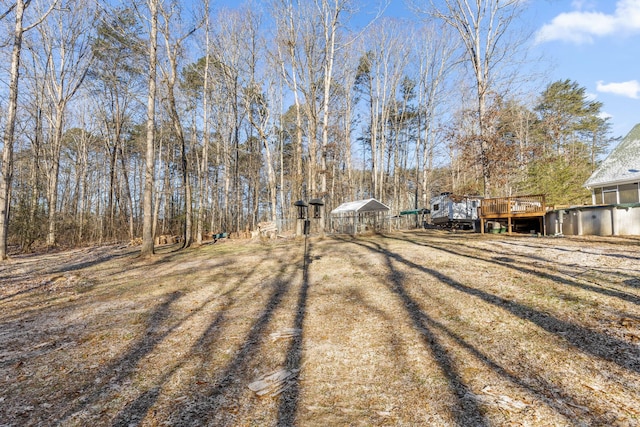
616	180
615	193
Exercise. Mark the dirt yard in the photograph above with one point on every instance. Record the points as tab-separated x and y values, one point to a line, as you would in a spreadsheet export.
416	328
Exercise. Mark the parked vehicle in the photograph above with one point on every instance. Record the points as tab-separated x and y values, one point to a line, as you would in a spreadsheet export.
454	211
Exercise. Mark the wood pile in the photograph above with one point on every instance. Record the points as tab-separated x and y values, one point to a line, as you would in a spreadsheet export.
167	239
268	229
136	242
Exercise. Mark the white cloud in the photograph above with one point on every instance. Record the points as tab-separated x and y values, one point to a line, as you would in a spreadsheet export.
630	89
582	26
604	115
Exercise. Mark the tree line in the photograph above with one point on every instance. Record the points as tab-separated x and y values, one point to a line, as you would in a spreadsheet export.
149	117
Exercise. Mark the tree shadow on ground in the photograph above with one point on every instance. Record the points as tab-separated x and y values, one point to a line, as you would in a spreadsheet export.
97	389
468	411
544	390
136	411
289	399
37	267
595	343
210	405
125	365
559	248
81	265
460	251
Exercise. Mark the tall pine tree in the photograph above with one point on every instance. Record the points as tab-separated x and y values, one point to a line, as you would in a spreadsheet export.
571	133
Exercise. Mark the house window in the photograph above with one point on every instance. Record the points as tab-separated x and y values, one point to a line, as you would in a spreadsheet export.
597	196
436	207
629	193
610	195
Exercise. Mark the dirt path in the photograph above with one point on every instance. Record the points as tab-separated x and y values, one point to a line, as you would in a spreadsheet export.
416	328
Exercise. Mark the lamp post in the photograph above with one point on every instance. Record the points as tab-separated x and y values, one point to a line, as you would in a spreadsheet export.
303	214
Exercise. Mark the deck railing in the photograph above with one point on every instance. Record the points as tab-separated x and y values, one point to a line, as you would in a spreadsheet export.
516	205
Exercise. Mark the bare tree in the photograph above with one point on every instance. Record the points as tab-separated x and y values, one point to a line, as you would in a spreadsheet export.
434	57
287	53
147	225
83	140
35	89
173	49
347	71
259	98
10	125
64	57
483	27
118	85
204	162
228	60
380	74
330	16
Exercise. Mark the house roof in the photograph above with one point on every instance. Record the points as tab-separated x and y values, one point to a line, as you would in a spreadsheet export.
622	165
358	206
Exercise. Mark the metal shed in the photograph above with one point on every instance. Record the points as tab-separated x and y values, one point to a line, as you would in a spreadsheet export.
360	216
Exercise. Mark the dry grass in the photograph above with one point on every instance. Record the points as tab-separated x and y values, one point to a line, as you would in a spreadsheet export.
416	328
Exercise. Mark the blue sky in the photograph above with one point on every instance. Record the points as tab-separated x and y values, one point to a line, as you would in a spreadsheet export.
597	44
593	42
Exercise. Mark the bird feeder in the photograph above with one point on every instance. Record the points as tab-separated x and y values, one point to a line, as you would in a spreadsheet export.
317	207
302	207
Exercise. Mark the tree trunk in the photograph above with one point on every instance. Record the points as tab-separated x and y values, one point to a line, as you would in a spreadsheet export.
204	166
158	194
54	168
330	19
9	131
127	191
147	225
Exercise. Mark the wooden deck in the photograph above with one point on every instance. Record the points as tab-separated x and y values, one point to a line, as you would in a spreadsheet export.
512	208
